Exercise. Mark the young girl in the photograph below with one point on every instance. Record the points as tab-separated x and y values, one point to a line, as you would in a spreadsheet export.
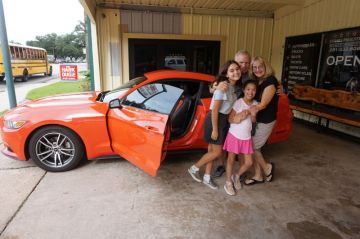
216	123
238	139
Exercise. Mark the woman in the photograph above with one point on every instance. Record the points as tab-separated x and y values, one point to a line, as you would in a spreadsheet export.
266	112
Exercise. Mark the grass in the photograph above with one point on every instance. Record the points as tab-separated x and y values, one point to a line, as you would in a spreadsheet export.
3	112
59	88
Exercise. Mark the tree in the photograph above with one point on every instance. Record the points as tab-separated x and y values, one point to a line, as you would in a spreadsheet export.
68	45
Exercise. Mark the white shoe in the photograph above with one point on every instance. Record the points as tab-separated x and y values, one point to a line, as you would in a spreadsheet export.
229	189
211	184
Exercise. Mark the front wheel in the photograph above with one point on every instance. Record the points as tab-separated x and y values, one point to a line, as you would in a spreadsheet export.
25	76
50	71
56	149
2	78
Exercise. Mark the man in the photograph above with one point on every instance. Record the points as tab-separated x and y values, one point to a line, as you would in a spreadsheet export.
243	58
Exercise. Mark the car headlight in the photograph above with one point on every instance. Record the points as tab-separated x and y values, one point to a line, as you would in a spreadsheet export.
14	124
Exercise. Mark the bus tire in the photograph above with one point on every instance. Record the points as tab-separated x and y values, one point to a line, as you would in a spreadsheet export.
50	71
2	78
25	76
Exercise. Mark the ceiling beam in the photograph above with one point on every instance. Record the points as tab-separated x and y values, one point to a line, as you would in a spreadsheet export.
188	10
284	2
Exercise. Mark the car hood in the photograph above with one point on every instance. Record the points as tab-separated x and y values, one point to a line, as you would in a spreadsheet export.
75	99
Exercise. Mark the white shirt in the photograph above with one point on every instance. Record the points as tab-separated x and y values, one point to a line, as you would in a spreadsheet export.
227	97
242	130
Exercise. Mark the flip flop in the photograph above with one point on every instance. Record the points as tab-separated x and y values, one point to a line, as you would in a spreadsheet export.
252	181
270	176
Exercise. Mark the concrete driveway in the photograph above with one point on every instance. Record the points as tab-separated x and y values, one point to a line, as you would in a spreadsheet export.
315	194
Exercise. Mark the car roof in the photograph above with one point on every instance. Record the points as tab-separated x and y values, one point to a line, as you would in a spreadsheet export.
162	74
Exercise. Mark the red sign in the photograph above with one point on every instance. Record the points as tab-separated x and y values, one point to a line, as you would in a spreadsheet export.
68	72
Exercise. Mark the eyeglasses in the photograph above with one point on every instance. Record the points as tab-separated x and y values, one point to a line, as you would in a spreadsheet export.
260	67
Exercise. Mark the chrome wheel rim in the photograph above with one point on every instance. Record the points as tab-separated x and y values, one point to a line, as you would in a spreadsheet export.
55	150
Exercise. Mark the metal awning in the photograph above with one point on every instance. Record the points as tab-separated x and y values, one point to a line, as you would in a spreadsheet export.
249	8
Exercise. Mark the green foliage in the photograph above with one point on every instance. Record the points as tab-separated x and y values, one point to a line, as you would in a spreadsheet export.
68	45
3	112
58	88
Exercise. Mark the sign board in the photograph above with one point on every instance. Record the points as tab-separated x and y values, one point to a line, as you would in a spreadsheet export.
340	61
301	58
328	60
68	72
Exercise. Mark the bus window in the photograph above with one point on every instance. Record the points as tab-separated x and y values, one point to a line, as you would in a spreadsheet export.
12	52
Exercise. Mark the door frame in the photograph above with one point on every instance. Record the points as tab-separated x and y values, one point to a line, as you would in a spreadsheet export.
125	46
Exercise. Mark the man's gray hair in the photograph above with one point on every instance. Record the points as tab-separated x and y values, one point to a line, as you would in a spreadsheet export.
243	52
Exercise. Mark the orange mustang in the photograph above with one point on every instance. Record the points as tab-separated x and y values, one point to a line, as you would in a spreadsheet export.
140	121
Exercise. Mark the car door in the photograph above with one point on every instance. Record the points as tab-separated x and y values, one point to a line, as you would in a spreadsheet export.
138	128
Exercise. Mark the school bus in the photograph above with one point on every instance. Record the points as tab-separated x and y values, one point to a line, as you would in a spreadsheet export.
26	61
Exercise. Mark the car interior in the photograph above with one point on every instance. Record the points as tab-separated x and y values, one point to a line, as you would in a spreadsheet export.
185	110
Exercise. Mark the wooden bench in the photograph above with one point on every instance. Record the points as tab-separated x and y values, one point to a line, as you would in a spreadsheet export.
344	106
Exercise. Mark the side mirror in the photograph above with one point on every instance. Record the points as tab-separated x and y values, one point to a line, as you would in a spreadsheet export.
115	104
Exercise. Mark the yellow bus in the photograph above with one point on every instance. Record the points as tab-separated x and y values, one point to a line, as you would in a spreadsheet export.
26	61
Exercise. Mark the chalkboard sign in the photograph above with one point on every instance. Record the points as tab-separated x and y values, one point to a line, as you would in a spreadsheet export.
301	56
340	61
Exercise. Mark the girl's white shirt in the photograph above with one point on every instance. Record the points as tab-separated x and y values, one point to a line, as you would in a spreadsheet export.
242	130
228	98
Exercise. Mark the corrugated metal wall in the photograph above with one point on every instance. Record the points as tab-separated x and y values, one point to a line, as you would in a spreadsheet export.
109	42
151	22
252	34
317	16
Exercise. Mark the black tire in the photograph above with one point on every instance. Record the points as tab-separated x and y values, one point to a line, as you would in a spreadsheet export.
48	154
25	76
50	71
1	78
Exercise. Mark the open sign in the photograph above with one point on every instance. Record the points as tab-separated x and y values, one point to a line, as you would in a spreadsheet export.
68	72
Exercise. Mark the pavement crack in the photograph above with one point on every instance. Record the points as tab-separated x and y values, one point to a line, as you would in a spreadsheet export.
4	169
21	205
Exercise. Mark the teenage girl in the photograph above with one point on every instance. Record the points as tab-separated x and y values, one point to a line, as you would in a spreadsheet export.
238	139
216	123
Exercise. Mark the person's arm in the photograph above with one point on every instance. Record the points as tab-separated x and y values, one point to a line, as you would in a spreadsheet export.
215	119
236	118
266	97
223	86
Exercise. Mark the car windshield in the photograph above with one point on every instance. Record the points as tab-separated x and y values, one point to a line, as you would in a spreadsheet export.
107	96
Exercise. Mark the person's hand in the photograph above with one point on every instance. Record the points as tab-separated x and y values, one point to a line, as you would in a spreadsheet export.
241	116
253	110
214	135
223	86
280	90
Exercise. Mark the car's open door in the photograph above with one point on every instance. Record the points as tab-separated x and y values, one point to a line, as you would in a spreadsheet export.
138	126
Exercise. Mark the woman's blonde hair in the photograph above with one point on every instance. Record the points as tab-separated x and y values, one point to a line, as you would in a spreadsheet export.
269	71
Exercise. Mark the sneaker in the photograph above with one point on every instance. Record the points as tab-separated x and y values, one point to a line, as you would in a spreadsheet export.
211	184
195	175
237	183
243	177
229	189
220	170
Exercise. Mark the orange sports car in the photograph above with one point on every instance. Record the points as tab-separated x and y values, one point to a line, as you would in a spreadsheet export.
139	121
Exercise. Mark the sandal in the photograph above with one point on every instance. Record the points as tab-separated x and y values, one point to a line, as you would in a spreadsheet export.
252	181
270	176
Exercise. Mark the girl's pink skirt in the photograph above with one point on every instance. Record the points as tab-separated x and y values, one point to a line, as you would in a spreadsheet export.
238	146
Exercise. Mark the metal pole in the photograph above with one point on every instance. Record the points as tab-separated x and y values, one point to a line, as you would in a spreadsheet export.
90	51
6	58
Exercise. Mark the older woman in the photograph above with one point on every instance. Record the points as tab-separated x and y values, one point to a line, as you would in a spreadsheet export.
266	111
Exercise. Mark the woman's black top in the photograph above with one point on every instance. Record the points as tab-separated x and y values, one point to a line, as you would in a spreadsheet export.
268	114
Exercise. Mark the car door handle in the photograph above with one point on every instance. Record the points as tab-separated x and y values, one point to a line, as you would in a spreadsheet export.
148	127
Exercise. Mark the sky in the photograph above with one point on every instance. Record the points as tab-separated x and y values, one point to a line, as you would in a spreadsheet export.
26	19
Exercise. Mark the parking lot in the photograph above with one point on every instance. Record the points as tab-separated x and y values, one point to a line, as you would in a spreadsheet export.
314	195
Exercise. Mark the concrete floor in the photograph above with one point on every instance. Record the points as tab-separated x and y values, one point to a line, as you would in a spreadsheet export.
315	194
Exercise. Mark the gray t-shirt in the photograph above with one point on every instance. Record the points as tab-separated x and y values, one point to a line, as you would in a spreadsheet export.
228	98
